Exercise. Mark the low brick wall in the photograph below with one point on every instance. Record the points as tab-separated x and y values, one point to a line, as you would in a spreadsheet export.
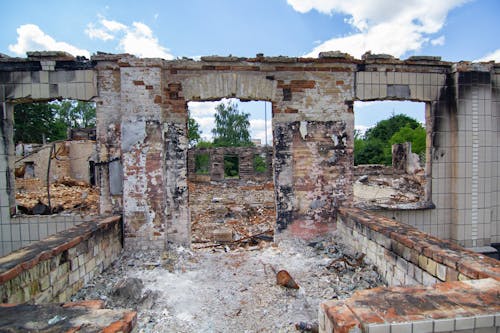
55	268
435	285
373	169
405	255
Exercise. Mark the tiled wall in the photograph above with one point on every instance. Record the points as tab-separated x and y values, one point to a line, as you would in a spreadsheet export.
463	114
402	85
24	230
48	83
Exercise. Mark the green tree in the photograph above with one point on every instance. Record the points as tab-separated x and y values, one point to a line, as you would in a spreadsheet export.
194	132
385	129
375	146
231	126
35	121
205	144
416	136
75	114
259	164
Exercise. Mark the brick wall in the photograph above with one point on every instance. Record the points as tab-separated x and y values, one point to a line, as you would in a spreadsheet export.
54	269
216	168
434	285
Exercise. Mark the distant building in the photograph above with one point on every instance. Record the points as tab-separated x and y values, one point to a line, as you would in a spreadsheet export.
257	142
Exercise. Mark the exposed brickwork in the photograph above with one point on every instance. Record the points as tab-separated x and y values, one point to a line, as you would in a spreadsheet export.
133	93
57	267
408	256
440	279
445	307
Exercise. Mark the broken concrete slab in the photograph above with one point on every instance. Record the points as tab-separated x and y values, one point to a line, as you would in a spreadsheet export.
85	316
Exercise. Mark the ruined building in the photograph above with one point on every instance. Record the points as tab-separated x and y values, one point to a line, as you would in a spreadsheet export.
142	145
142	171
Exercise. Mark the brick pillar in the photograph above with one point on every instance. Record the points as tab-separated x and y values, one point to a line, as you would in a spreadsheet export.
217	164
246	163
176	189
313	175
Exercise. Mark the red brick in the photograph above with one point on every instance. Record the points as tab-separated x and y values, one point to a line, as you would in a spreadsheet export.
88	304
10	274
342	317
291	110
68	245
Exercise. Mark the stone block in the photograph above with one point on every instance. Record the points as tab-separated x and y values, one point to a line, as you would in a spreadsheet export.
428	279
222	235
465	323
422	261
484	321
44	296
422	326
441	272
44	283
431	267
401	327
378	328
444	325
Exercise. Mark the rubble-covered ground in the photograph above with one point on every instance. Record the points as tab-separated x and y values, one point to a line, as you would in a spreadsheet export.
66	195
222	290
231	210
389	190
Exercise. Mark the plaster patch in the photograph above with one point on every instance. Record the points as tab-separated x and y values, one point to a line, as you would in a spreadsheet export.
132	133
303	129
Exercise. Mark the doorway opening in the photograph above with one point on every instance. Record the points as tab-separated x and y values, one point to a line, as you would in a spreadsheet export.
231	191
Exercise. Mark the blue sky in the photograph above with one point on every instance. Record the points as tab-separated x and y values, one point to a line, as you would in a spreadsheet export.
453	29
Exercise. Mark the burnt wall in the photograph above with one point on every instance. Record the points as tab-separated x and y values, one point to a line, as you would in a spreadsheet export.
142	143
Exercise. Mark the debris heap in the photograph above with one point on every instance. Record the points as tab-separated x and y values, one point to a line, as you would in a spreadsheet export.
66	195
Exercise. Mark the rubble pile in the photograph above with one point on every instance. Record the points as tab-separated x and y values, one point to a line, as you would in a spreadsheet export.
66	195
276	288
231	212
392	189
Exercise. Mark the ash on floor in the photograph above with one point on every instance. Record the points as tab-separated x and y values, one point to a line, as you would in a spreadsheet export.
213	290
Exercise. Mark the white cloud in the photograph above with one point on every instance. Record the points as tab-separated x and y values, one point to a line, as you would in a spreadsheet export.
140	41
137	39
31	38
111	25
438	41
203	109
382	26
495	55
96	33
